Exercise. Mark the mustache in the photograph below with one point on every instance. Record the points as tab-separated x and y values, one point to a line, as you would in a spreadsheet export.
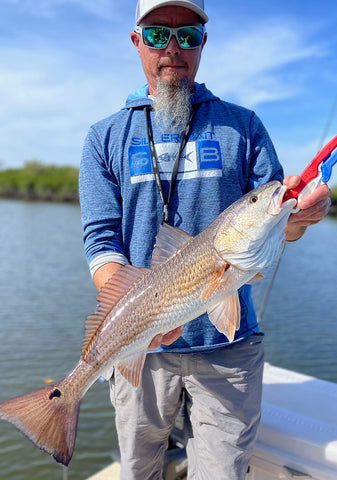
171	63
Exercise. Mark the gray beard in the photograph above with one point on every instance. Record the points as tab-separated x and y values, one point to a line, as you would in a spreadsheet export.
172	104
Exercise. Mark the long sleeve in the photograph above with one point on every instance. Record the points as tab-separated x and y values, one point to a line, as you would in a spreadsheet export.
101	209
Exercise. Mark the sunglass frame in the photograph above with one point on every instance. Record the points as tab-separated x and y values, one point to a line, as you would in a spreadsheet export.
173	32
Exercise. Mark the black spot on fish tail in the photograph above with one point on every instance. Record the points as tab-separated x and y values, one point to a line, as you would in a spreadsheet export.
55	393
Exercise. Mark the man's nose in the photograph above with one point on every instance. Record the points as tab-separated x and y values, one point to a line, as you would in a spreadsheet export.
173	47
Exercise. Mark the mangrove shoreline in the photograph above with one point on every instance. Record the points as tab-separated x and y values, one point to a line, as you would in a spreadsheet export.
36	181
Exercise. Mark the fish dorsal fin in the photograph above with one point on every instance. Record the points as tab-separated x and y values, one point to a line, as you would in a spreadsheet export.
131	367
114	289
226	315
168	240
117	286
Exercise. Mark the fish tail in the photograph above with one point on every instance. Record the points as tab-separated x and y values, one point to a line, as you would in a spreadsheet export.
48	417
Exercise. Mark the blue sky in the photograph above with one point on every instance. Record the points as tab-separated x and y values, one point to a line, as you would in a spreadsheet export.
66	64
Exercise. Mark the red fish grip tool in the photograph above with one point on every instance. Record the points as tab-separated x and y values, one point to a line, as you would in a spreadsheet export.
320	168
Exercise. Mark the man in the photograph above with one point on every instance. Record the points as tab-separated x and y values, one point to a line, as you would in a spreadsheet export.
223	151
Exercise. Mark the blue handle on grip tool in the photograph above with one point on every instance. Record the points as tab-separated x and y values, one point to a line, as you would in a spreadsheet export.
319	168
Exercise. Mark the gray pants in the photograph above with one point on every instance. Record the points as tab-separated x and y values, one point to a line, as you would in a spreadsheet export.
223	391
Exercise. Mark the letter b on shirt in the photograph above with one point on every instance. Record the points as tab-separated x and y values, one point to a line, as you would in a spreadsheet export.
209	154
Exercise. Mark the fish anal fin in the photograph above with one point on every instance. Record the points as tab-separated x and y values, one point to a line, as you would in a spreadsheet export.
47	418
226	315
110	294
168	240
218	278
131	367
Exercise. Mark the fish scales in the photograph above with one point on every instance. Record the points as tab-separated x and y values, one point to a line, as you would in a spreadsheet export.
171	289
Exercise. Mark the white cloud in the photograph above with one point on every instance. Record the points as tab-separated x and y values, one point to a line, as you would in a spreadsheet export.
295	156
49	101
249	67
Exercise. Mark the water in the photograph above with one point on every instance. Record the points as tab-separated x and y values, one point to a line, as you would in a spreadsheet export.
46	293
304	300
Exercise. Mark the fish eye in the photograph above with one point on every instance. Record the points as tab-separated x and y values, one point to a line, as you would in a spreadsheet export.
253	199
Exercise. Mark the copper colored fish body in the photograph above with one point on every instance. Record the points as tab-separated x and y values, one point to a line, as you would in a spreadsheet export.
188	276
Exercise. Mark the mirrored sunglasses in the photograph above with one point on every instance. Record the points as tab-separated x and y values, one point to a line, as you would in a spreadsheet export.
157	36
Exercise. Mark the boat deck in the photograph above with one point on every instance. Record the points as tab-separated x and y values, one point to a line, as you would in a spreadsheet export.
297	436
109	473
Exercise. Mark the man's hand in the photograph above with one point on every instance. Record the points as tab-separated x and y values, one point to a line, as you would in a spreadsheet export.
166	339
313	208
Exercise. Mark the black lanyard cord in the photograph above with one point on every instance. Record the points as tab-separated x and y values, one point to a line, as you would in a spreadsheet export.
154	160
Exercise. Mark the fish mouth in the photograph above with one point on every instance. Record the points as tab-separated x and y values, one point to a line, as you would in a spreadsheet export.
277	204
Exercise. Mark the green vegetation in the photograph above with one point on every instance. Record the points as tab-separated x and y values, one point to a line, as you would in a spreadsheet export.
36	181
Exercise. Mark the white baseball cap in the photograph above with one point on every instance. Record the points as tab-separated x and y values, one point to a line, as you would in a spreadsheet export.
146	6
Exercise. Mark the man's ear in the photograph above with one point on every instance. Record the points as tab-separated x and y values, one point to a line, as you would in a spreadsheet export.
135	39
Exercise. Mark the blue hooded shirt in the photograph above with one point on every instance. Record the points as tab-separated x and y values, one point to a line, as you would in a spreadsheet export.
228	153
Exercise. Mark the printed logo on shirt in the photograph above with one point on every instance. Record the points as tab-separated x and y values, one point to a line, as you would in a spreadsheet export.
199	159
209	155
139	161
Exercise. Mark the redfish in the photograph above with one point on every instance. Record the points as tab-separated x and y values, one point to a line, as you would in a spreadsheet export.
188	277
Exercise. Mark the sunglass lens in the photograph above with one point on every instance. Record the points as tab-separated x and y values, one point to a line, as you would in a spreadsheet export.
190	37
156	37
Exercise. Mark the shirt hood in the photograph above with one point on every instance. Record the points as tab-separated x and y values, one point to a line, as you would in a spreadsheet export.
140	97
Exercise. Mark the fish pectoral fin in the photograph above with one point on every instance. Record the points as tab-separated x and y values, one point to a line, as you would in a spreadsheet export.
131	367
168	240
219	279
113	290
226	315
255	279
